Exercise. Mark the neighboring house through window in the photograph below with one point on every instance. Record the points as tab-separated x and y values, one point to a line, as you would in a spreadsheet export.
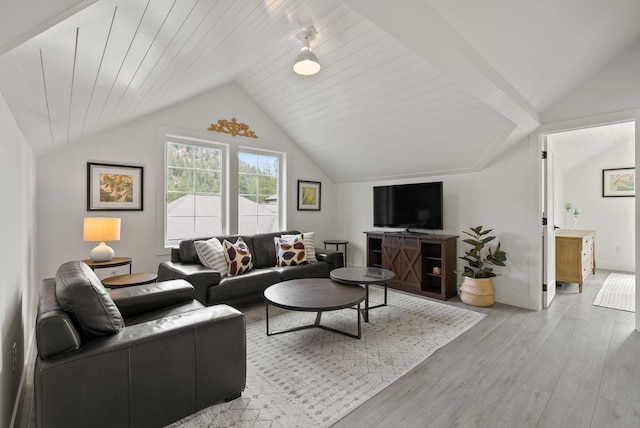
194	203
196	200
259	184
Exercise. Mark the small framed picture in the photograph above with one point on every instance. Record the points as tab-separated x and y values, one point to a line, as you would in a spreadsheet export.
114	187
618	182
308	195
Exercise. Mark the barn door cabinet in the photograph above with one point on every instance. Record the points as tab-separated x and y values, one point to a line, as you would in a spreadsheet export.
423	264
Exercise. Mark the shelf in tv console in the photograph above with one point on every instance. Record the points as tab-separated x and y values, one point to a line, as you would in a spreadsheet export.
423	263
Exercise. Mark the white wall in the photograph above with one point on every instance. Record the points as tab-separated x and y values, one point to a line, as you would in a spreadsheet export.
498	197
18	289
506	195
613	219
615	91
62	178
615	88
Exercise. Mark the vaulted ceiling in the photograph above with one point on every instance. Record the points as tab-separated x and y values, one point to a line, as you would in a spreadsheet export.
407	88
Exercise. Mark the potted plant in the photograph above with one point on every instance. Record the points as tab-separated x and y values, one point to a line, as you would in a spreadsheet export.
476	288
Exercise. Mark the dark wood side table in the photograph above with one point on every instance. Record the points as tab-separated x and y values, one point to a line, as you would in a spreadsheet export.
127	280
337	243
114	262
364	276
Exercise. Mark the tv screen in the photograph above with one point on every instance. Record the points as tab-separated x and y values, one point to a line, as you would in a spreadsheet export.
416	206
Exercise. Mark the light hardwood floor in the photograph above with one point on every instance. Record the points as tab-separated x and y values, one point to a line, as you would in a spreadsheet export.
572	365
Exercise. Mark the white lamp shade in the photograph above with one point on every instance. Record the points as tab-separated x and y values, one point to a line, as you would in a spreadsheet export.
99	229
306	62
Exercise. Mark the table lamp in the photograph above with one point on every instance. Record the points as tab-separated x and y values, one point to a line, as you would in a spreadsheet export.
99	229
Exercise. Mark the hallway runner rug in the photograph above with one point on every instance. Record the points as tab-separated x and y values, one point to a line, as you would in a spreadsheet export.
618	292
312	378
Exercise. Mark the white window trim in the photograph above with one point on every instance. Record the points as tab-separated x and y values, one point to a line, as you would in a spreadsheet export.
229	180
282	190
181	139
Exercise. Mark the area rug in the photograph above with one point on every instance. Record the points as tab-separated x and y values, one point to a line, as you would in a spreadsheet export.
312	378
618	292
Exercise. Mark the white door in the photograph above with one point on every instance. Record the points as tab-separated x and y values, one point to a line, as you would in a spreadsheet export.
548	229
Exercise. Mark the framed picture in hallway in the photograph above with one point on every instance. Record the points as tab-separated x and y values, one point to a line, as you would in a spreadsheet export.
113	187
618	182
308	195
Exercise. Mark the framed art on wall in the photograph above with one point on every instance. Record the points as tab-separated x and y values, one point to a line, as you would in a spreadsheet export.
113	187
618	182
308	195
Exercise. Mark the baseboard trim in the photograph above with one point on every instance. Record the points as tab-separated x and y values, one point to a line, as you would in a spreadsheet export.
612	265
23	379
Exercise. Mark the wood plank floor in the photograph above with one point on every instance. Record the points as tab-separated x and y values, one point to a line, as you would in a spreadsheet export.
572	365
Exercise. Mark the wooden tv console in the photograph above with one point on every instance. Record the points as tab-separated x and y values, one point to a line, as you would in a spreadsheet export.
424	264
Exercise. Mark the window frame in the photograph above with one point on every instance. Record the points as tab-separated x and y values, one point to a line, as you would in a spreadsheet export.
281	177
224	174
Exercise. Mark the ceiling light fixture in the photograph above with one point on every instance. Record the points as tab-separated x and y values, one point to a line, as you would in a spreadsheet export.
306	62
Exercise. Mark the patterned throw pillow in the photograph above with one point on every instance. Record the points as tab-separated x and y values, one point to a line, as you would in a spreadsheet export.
238	257
291	251
309	245
212	255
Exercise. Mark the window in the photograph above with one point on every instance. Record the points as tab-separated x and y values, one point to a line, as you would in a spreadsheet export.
194	183
259	190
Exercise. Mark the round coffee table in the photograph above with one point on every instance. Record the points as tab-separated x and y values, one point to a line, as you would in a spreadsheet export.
313	295
364	276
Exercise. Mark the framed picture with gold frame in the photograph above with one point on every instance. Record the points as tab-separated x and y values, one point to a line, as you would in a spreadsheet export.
112	187
308	195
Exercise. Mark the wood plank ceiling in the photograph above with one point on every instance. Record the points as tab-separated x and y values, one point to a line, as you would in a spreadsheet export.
379	108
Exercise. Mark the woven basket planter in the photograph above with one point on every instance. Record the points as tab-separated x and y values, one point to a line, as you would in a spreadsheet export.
477	291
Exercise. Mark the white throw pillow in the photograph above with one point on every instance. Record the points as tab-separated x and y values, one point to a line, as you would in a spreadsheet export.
211	255
309	244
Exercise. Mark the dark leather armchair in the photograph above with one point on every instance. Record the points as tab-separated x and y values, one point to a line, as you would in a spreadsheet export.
142	356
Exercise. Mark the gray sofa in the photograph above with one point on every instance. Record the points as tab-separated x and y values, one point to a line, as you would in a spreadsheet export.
211	289
143	356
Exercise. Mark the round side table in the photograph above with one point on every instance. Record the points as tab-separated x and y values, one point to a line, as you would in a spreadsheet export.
129	279
337	243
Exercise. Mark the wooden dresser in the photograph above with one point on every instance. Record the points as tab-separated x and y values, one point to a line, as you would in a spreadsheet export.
575	255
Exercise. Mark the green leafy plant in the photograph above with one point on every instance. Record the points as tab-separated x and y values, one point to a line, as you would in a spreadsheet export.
479	265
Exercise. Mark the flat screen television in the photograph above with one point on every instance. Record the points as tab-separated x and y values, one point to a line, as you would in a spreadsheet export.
417	206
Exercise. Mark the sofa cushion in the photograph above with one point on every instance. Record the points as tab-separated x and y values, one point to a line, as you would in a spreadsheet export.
187	251
211	255
82	295
310	270
291	251
309	245
239	287
238	257
264	252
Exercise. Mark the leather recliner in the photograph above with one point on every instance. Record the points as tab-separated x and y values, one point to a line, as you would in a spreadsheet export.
142	356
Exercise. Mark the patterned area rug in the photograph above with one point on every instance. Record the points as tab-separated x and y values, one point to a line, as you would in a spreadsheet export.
314	377
618	292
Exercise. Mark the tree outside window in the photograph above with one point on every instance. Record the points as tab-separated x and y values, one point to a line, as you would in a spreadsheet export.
193	191
258	192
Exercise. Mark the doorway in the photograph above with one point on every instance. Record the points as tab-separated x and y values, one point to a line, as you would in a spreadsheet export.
573	181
